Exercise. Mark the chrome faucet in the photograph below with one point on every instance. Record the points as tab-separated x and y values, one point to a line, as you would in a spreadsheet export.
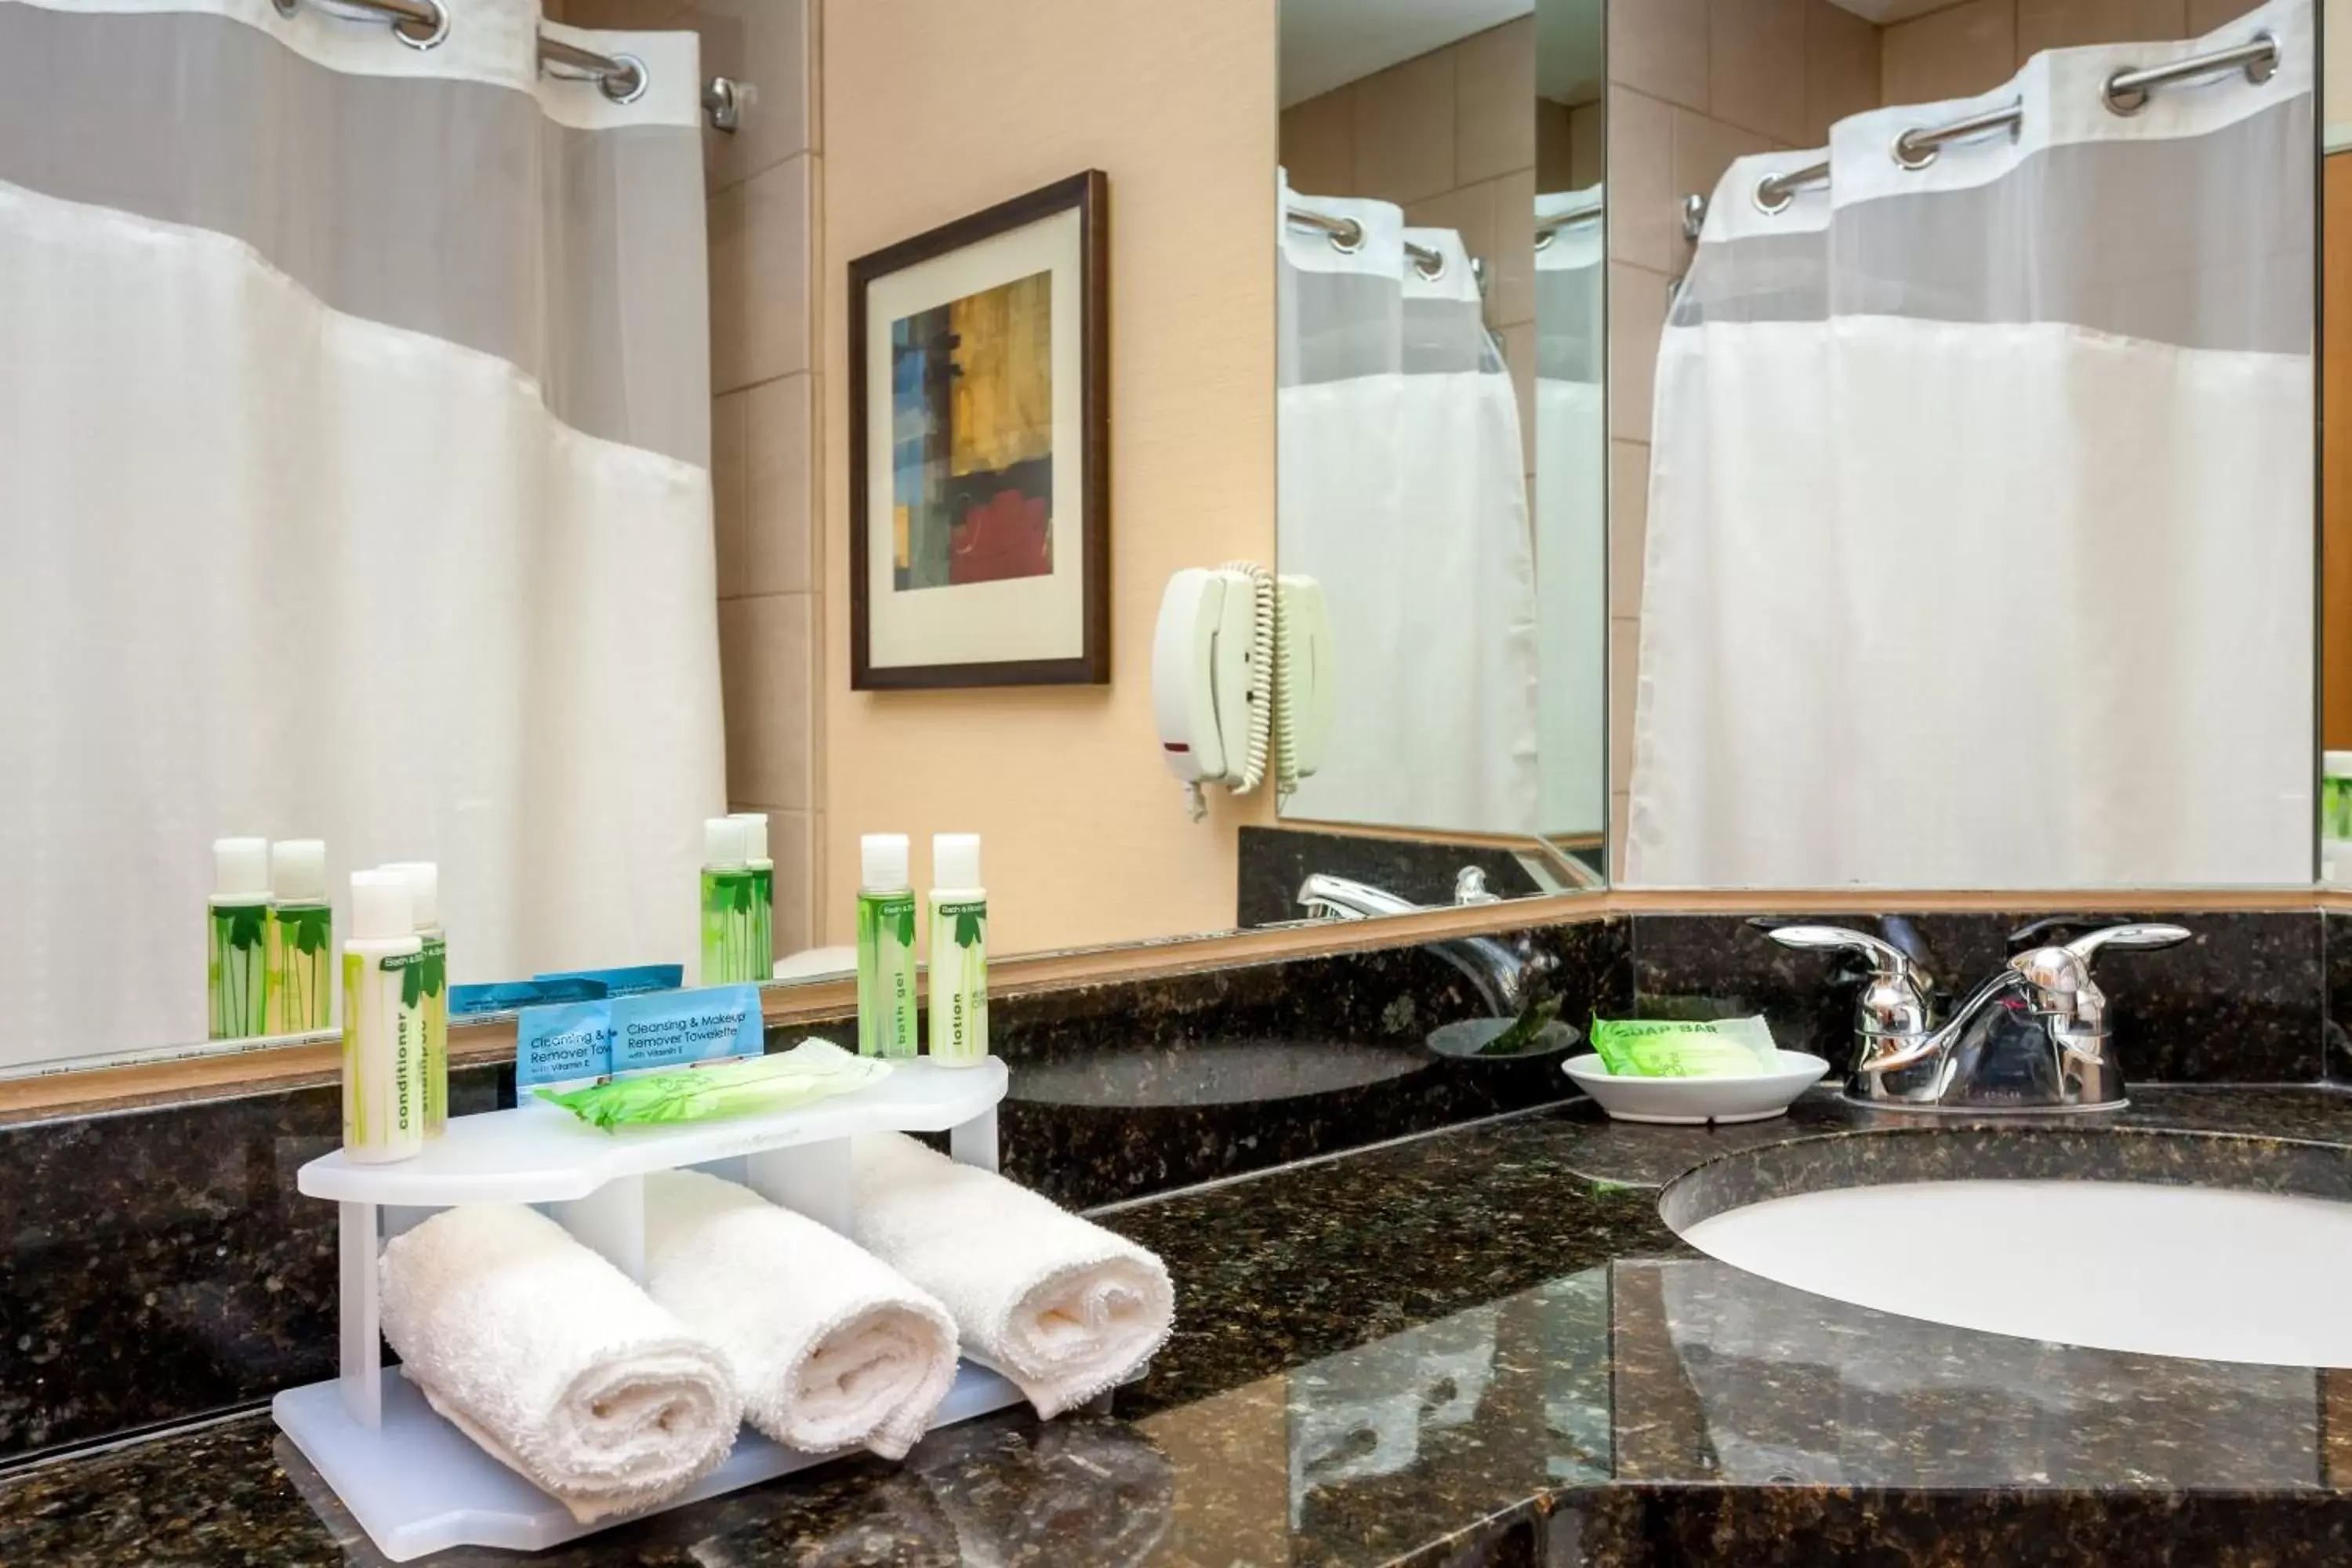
1503	971
2031	1037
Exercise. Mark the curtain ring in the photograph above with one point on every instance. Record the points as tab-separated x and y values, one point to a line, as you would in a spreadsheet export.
637	78
434	36
1348	239
1774	203
1905	155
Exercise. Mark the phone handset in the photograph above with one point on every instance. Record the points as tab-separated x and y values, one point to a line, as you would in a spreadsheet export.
1240	676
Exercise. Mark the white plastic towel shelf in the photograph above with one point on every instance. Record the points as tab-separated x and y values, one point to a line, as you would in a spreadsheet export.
539	1153
412	1480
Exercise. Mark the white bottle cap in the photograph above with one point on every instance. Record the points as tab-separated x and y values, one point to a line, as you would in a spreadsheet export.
723	842
755	833
883	859
380	909
298	870
424	888
955	860
2336	765
241	869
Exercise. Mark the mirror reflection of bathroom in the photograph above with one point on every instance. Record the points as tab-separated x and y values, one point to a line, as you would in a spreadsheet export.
1441	442
1963	465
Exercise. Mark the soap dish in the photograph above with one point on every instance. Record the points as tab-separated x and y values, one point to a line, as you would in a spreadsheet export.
1695	1102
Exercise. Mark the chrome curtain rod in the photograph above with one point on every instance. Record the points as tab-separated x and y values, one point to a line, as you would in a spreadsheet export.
1347	237
2126	92
424	23
1547	227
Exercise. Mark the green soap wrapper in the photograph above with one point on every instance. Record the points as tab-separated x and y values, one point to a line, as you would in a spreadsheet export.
1666	1047
746	1086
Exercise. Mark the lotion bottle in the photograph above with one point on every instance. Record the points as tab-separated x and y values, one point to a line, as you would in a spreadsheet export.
424	879
301	938
237	963
384	961
886	948
764	893
725	901
959	952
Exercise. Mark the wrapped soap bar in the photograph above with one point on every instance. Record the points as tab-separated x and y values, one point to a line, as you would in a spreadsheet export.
1671	1048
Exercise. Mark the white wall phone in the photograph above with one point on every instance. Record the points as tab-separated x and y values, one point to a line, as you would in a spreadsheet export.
1241	678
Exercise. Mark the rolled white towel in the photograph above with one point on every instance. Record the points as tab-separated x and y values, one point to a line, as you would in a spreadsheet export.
1063	1308
830	1348
554	1361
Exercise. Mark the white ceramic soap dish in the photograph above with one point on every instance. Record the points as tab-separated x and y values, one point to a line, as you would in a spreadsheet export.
1695	1102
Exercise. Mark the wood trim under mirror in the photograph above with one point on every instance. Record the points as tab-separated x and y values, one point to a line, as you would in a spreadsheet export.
80	1092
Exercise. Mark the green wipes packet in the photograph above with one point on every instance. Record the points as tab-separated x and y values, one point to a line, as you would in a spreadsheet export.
740	1086
1662	1047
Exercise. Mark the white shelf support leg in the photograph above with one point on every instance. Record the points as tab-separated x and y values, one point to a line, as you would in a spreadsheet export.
612	1221
807	1178
974	1142
363	1346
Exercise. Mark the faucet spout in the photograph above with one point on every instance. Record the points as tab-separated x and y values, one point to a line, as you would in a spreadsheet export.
1503	974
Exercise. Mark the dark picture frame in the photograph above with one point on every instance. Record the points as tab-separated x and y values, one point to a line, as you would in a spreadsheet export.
871	499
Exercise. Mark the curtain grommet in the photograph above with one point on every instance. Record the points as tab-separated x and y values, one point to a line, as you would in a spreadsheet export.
1771	205
1909	157
436	33
638	78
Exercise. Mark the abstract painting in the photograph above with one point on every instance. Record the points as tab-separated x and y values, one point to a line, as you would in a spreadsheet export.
978	434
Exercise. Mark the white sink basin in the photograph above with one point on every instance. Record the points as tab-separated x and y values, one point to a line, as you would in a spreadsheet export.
2183	1271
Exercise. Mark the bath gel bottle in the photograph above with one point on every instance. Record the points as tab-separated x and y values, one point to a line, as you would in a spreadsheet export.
383	1026
301	938
237	923
424	879
886	948
727	897
959	952
764	893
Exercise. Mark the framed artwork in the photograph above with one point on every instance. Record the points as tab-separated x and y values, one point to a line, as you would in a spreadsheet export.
979	443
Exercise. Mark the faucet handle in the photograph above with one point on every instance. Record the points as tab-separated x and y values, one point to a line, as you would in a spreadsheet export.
2134	933
1891	1016
1887	961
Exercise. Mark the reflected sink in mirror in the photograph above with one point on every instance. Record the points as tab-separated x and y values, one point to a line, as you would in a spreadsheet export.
2222	1273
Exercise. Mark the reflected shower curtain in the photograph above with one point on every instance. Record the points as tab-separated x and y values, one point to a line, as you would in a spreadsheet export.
1981	505
1571	514
1401	492
354	420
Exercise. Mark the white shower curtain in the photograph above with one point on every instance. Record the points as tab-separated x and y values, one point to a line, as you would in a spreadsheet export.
1572	515
1401	490
1981	524
354	422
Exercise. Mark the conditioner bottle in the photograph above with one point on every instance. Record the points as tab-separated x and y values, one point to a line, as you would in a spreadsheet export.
301	938
424	879
236	939
383	1026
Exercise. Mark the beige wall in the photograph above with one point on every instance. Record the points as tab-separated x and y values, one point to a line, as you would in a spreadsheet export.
1978	44
935	108
764	457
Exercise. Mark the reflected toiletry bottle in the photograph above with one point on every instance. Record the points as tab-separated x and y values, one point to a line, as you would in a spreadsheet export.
959	952
301	938
384	993
433	1063
727	897
886	948
236	964
764	893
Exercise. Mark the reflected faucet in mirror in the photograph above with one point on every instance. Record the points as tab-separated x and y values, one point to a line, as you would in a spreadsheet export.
2031	1037
1504	970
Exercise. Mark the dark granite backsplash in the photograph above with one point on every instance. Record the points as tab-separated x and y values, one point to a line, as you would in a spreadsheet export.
2244	1001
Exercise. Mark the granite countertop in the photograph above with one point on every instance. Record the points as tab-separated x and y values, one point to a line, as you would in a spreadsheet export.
1485	1346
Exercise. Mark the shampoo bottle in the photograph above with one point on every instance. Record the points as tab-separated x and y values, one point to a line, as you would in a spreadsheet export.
237	988
384	1099
959	952
424	879
886	948
726	903
301	938
764	893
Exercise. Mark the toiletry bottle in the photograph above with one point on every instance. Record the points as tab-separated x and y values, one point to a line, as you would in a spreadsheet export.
301	938
959	952
383	963
764	893
886	948
237	988
425	906
726	903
